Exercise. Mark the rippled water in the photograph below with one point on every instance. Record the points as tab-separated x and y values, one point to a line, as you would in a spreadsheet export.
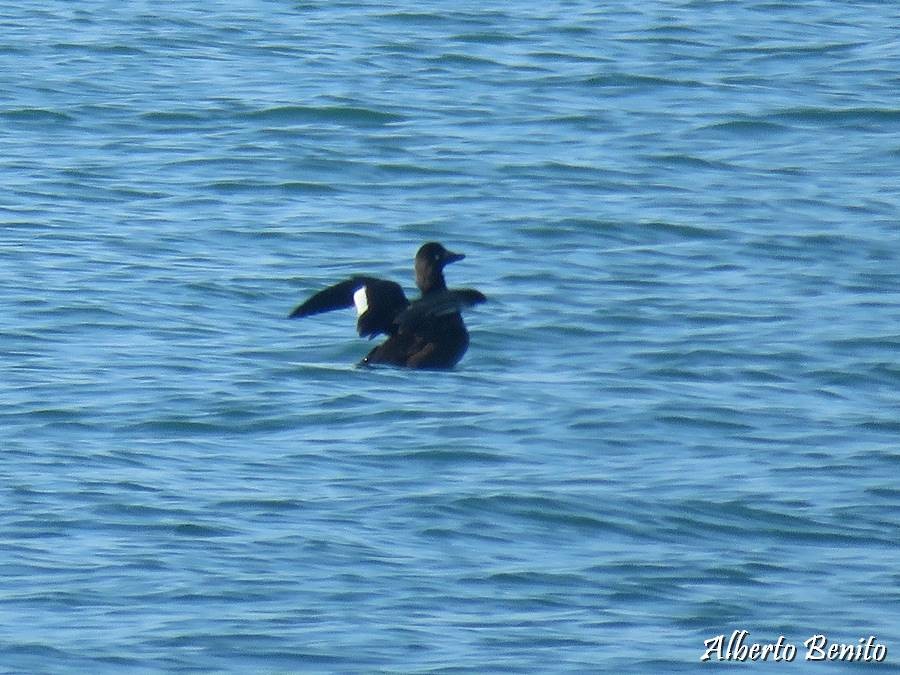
678	414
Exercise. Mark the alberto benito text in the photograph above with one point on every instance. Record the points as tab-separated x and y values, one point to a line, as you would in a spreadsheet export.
737	647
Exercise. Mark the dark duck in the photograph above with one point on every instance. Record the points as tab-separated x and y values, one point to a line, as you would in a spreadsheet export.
426	333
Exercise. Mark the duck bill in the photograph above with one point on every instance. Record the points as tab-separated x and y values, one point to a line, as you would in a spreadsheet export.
453	257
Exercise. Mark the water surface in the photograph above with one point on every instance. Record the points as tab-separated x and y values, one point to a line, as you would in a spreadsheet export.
677	417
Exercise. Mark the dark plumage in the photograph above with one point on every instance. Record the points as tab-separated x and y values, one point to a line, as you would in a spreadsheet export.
427	333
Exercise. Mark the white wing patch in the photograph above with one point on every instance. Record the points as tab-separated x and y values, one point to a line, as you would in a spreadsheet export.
361	301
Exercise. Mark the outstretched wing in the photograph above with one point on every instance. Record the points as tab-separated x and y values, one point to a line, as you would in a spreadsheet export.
437	305
378	302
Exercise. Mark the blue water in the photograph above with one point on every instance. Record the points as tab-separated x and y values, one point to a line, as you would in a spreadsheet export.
678	416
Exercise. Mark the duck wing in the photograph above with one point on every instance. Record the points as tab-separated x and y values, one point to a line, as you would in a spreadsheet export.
433	306
378	303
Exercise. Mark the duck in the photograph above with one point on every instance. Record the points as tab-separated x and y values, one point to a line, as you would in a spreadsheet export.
427	333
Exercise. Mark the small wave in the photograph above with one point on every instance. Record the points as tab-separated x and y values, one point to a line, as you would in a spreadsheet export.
415	17
166	117
264	505
866	344
36	649
35	115
629	80
724	518
486	38
689	161
138	511
463	60
102	49
683	231
745	127
348	115
175	426
794	50
193	530
307	187
704	422
539	510
416	170
453	456
842	116
238	186
880	425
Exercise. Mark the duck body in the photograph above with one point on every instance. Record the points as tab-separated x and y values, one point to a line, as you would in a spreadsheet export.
428	333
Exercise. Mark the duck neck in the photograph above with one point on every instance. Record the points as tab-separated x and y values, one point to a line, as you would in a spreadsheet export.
433	283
